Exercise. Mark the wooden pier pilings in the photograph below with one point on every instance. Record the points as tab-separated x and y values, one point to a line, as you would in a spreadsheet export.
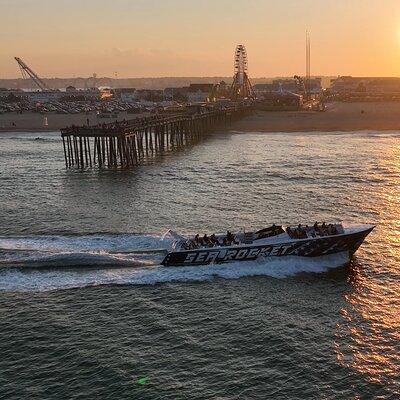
125	144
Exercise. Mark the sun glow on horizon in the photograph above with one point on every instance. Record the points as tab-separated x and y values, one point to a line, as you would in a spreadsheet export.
191	38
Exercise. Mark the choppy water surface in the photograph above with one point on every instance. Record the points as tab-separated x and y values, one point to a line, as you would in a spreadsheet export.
85	310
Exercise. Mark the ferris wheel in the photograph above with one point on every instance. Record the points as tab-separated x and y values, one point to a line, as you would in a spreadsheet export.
240	64
241	86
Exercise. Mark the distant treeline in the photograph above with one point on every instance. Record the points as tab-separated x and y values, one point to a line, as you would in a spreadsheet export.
138	83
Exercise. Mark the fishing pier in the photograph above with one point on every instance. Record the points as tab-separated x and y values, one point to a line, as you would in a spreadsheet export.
125	144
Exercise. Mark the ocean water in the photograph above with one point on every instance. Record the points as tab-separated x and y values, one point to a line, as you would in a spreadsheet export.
86	310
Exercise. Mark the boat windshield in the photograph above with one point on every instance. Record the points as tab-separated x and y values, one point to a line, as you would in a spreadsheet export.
272	230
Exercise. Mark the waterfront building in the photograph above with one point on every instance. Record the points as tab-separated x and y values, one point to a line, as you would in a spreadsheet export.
279	101
288	85
176	93
370	85
200	92
127	95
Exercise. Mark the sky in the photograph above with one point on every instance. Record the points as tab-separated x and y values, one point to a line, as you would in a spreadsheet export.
147	38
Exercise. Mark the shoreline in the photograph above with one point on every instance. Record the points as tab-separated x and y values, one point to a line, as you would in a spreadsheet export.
231	131
53	122
237	131
339	117
28	130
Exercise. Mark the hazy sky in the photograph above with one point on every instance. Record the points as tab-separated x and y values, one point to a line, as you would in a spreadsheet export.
142	38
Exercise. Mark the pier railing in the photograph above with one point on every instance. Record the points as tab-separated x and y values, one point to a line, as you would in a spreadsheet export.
125	144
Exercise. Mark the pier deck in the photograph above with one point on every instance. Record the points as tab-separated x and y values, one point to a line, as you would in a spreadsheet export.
125	144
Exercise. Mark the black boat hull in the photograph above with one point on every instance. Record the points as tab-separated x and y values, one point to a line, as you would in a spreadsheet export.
313	247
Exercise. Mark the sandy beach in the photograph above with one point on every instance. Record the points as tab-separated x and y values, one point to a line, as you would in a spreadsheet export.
36	122
338	117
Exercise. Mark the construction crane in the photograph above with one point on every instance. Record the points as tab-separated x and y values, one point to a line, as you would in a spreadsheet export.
27	72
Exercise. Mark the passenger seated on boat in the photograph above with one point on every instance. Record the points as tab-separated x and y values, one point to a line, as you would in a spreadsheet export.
194	245
332	229
297	233
207	241
214	240
199	241
189	245
233	239
311	230
318	230
301	232
308	231
197	238
324	229
230	239
227	239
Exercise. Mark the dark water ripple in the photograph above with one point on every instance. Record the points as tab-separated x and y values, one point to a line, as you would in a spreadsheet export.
211	333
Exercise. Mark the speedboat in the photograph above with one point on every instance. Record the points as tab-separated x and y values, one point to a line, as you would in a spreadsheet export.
273	241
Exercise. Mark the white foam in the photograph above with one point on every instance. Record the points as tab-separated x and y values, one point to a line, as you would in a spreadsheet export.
97	243
55	279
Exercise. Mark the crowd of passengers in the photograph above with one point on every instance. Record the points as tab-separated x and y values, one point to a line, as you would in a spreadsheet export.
303	232
113	127
210	241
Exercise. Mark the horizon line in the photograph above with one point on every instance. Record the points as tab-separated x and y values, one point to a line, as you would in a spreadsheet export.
203	77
